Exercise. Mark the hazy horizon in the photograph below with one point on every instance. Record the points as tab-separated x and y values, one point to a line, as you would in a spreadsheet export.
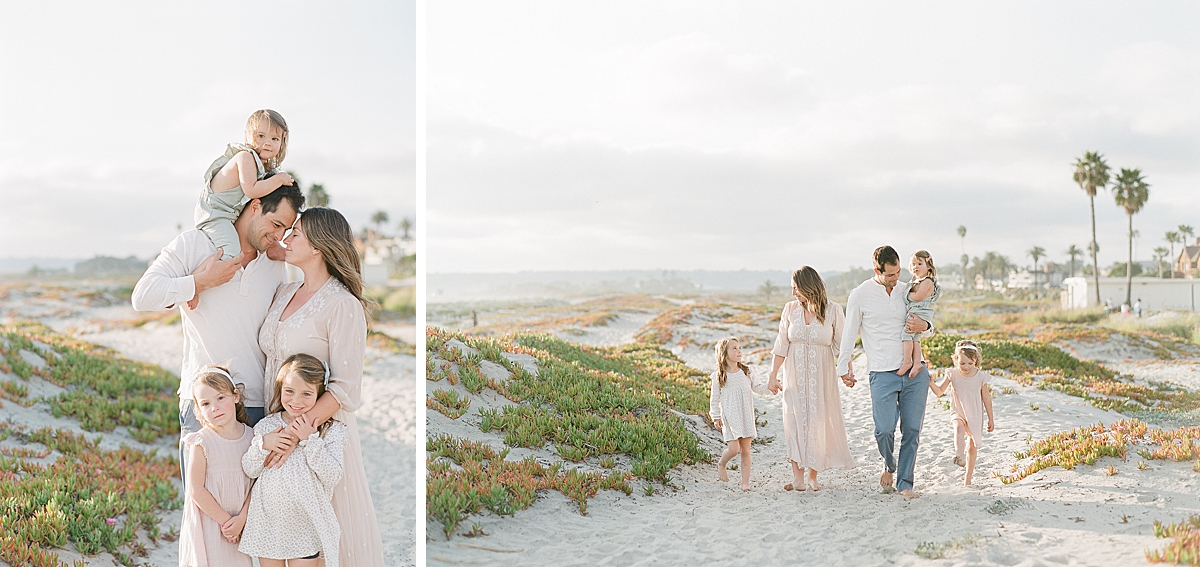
681	135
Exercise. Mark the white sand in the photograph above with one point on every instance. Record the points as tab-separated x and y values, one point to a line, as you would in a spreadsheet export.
387	417
1057	517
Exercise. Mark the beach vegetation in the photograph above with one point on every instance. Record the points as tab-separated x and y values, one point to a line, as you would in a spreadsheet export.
103	390
933	550
92	499
448	403
1086	445
1184	549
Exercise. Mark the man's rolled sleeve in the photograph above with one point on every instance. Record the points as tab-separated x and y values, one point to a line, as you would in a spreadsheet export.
167	282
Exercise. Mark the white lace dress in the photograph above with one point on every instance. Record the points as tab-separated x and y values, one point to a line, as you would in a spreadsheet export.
290	513
812	405
332	326
733	404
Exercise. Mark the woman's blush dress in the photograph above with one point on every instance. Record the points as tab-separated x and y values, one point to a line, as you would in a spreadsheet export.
332	326
812	405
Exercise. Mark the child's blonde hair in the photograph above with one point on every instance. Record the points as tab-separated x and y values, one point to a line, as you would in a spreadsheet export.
723	357
970	350
308	368
257	119
217	377
924	255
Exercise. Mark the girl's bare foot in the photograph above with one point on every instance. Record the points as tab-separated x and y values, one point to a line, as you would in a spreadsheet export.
745	488
909	494
721	474
885	480
916	368
904	367
968	482
960	461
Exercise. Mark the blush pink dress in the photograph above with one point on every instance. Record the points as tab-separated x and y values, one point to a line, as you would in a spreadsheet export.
966	401
200	541
812	405
332	326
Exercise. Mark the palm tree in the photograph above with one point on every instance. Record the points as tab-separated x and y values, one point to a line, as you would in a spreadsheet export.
1159	254
1172	237
962	238
1037	253
380	218
1130	192
406	225
1073	251
1185	232
1091	174
317	197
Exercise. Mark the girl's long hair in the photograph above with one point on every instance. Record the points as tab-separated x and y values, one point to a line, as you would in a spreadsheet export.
257	119
307	368
812	288
924	255
723	357
220	383
329	232
970	350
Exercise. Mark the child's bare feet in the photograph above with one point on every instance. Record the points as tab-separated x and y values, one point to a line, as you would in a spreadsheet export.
745	488
905	366
721	474
885	480
909	494
960	461
916	369
968	482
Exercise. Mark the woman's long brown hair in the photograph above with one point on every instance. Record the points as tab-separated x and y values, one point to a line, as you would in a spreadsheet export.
329	232
812	288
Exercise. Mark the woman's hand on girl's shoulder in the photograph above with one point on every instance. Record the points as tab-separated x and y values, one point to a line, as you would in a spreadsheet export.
279	441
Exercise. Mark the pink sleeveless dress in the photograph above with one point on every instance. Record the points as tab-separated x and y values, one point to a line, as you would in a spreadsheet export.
200	541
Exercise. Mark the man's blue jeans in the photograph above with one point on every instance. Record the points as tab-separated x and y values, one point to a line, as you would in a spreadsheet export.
899	399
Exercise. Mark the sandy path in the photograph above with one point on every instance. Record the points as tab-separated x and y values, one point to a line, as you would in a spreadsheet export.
1055	517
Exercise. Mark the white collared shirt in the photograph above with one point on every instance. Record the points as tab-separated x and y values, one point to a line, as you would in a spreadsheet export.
225	325
879	317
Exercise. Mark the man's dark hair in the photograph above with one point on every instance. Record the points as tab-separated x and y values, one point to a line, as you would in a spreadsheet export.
290	192
886	256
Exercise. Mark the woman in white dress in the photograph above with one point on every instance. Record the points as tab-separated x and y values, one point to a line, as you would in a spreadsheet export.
323	316
806	349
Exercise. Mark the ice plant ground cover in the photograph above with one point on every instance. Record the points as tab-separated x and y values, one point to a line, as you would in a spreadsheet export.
60	489
586	403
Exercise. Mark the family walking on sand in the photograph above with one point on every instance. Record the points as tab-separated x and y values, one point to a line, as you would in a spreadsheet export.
814	348
271	373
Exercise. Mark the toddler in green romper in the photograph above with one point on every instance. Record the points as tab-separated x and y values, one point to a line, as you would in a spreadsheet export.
215	212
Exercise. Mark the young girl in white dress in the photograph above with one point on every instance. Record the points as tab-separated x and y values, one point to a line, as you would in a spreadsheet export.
731	406
922	292
970	398
218	492
291	518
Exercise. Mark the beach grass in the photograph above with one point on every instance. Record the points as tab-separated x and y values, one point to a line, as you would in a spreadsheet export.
1086	445
103	390
1184	549
583	402
1049	367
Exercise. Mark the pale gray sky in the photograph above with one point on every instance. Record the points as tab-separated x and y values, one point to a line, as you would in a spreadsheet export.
684	135
110	112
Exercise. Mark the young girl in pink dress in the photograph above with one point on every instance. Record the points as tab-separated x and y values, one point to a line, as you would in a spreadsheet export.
970	398
217	498
731	406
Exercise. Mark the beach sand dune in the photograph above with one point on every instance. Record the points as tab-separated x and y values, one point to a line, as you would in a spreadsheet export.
387	418
1054	517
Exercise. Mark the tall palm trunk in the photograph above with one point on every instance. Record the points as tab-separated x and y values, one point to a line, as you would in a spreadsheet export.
1094	246
1129	266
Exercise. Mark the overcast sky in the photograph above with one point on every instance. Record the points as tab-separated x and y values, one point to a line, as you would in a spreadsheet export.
111	111
684	135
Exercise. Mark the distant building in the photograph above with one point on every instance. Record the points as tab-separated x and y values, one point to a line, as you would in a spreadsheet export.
379	253
1155	293
1188	261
